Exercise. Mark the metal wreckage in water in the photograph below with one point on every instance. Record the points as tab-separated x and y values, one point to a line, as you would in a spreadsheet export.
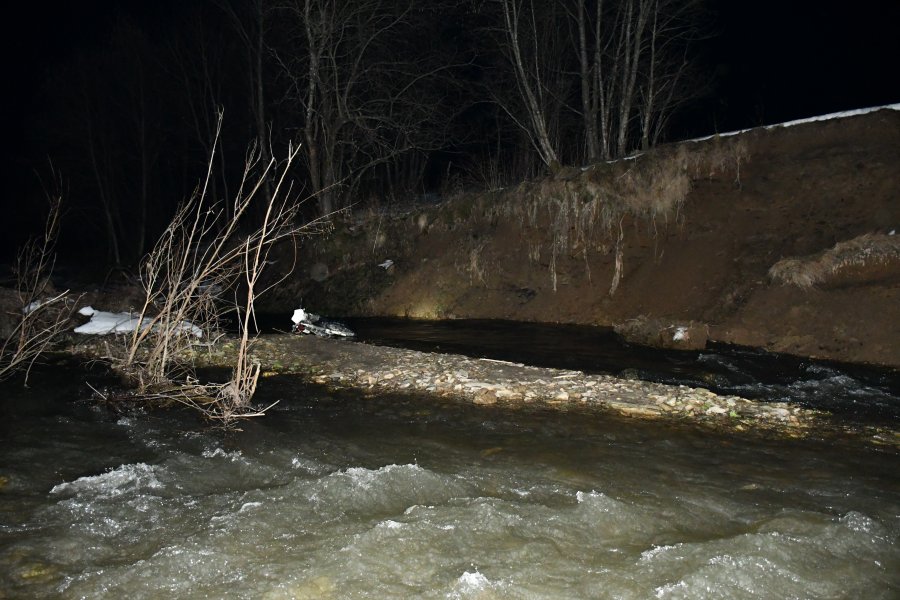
307	322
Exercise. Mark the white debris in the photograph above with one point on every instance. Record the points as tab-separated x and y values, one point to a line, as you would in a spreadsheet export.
681	334
387	264
307	322
299	316
105	323
32	306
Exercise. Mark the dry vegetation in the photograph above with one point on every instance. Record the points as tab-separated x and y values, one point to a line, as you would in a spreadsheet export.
202	255
865	250
585	208
42	312
580	213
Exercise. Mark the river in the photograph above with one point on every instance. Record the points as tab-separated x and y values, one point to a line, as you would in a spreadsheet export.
339	496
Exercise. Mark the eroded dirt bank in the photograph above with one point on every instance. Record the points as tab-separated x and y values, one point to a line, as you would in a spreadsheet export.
673	248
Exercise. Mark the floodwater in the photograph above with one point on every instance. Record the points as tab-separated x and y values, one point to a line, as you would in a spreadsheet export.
338	496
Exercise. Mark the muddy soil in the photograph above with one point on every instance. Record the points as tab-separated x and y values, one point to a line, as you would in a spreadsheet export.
696	272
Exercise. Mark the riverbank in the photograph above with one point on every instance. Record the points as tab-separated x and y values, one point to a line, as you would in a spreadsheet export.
778	238
377	370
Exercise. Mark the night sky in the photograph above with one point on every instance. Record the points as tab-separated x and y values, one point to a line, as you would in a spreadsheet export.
782	60
767	61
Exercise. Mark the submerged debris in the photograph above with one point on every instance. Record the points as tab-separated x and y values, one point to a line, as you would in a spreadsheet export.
307	322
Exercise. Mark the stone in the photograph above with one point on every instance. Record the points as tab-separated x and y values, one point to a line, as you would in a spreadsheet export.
485	397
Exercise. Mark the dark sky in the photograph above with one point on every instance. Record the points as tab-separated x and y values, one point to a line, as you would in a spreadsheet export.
782	60
769	60
766	61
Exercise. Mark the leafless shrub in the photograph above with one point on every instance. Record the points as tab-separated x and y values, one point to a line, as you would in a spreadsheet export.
867	249
201	253
43	313
486	172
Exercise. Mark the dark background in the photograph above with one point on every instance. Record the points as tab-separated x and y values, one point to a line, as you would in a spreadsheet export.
763	61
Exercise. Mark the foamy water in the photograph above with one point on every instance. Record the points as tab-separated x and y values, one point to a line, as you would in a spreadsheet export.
390	498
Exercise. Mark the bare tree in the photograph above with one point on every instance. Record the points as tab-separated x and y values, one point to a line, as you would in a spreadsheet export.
99	146
252	28
634	69
528	44
628	59
360	85
593	94
671	78
198	63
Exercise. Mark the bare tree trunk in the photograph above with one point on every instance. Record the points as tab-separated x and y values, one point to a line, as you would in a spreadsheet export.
647	108
635	78
360	100
254	40
529	91
590	88
259	93
310	126
635	23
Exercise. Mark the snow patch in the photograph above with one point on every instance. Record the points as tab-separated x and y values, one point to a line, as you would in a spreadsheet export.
32	306
105	323
835	115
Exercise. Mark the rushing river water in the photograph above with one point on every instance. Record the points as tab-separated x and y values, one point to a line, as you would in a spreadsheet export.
346	497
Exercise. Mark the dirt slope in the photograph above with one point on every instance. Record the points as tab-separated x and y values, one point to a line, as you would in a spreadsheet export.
694	269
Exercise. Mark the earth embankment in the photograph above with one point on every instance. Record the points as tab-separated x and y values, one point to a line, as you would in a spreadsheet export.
675	247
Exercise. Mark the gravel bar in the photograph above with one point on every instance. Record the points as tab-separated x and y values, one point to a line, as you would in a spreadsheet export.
342	364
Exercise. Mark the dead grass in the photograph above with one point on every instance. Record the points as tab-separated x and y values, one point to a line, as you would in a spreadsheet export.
867	249
579	213
585	208
476	266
